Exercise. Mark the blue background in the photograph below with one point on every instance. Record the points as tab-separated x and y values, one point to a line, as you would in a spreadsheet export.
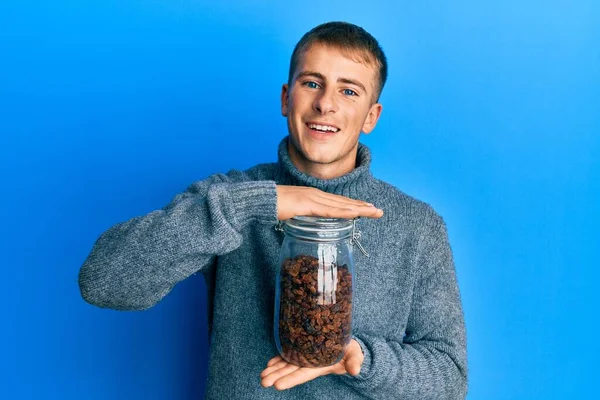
109	108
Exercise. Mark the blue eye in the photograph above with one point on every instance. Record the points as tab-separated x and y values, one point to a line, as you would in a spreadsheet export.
350	92
312	85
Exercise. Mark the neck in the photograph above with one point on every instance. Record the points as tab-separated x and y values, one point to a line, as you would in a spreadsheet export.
323	171
355	183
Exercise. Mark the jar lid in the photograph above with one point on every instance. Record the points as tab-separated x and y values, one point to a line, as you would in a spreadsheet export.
319	228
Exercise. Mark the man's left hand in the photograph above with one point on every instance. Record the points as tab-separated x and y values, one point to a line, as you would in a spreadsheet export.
283	375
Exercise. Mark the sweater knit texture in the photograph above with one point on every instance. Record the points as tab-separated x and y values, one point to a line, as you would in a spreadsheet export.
407	313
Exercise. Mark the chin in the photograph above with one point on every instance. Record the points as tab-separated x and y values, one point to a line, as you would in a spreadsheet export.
319	157
316	152
321	161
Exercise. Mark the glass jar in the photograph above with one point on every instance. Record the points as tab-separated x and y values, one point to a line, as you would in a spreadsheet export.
313	294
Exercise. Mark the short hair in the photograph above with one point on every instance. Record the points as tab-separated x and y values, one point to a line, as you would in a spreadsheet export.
350	39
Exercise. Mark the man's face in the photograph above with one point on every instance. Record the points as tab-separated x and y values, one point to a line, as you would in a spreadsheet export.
329	102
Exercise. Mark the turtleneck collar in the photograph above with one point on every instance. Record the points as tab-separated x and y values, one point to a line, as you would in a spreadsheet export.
355	184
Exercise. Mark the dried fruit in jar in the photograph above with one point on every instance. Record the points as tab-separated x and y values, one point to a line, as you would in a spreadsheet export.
315	319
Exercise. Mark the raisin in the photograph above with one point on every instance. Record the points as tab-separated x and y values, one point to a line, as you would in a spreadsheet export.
314	322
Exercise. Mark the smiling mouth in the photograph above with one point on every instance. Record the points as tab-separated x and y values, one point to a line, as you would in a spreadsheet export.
323	128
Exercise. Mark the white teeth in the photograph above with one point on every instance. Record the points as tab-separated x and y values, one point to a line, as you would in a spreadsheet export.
323	128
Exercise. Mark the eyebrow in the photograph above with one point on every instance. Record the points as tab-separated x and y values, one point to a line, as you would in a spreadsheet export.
343	80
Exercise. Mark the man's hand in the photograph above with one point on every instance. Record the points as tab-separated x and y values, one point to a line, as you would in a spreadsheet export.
293	201
283	375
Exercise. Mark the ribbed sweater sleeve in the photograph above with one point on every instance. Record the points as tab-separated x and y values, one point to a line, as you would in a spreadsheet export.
134	264
430	361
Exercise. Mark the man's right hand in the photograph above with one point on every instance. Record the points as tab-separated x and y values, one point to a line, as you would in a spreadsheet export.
294	201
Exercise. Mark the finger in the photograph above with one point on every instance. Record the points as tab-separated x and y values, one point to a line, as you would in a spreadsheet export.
363	208
313	193
273	368
271	378
329	211
342	199
274	361
354	212
353	364
299	377
369	212
372	213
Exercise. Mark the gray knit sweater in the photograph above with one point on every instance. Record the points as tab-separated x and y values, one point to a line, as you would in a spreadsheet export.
407	312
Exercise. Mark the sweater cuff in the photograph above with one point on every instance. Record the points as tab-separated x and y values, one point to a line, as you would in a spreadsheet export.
254	201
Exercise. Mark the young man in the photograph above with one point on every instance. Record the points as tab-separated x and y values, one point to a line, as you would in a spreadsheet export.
408	329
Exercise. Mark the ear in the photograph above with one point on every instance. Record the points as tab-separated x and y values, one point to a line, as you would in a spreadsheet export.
372	118
284	99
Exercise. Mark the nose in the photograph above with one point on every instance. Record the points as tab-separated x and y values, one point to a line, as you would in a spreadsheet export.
325	102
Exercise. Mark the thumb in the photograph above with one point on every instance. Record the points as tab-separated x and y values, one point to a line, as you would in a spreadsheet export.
353	364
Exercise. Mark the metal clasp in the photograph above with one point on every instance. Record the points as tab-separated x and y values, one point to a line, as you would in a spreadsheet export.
356	236
279	226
